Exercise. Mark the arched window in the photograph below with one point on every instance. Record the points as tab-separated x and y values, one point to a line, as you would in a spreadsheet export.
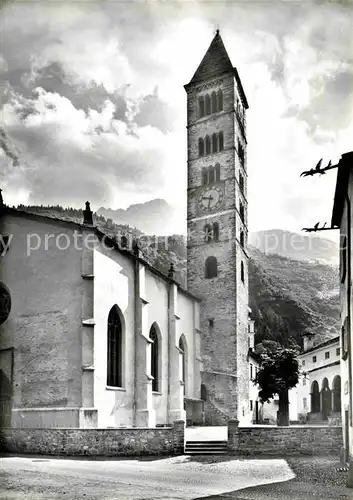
154	358
201	107
204	176
214	143
220	100
221	141
211	175
215	231
115	348
241	183
214	102
208	105
242	238
218	171
208	233
201	147
241	211
208	145
211	267
242	272
183	362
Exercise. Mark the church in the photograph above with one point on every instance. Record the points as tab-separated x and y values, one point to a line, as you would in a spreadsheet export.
91	335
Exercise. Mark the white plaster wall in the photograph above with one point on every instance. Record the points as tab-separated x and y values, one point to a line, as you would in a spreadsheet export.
156	293
186	326
113	284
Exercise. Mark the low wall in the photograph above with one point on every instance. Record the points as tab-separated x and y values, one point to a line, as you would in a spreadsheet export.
95	442
293	440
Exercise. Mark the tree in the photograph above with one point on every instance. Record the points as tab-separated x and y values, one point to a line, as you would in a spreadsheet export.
278	372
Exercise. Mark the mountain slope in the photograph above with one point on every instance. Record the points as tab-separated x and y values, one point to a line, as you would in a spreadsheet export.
295	246
288	297
152	217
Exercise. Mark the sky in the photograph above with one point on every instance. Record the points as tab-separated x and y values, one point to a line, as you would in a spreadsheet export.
93	105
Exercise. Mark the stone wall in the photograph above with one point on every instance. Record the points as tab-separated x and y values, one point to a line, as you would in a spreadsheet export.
293	440
95	442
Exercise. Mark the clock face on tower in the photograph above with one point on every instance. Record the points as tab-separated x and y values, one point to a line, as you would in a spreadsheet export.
210	198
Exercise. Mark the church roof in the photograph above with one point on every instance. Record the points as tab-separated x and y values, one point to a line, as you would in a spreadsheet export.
216	62
101	234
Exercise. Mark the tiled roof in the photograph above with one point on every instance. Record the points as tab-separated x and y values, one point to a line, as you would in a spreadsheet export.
215	62
334	340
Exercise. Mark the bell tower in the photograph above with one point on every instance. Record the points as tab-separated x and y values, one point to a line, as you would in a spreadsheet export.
217	259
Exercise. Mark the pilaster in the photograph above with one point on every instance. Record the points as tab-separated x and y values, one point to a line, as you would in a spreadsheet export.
175	385
145	415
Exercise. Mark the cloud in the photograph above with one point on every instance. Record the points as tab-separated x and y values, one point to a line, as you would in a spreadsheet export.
96	108
78	154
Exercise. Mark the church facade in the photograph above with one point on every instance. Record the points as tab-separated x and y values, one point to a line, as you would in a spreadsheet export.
94	336
217	258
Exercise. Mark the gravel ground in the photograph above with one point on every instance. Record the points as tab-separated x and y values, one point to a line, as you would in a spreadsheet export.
316	478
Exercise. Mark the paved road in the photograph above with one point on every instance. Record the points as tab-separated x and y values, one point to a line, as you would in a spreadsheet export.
174	478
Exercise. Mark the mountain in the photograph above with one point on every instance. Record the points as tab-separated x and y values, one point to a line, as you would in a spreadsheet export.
289	297
295	246
153	217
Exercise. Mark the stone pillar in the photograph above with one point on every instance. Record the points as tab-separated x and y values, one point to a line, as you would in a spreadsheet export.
175	386
179	436
233	436
145	415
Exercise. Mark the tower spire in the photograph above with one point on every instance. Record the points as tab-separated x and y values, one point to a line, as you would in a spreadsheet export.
215	62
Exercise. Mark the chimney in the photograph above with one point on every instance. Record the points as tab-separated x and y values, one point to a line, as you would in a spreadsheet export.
308	341
171	272
88	215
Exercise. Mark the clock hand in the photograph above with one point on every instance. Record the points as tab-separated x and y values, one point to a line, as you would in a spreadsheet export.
209	201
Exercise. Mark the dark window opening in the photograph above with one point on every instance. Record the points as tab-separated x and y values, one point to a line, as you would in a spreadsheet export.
220	100
154	359
201	147
242	238
241	212
208	105
221	141
215	231
242	272
214	143
204	176
241	183
211	267
211	175
214	102
218	172
114	361
208	145
201	107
